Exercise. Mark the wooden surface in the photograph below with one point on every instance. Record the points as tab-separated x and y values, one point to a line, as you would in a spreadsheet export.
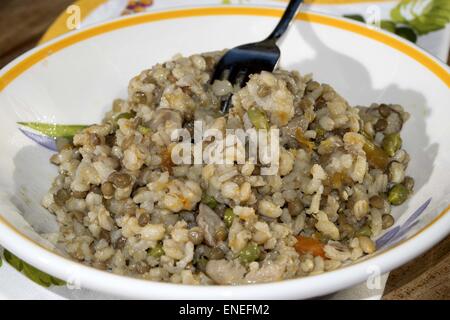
23	22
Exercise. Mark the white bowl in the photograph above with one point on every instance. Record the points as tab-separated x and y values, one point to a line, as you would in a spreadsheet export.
74	79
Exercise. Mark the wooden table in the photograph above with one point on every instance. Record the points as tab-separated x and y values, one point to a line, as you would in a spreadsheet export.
23	22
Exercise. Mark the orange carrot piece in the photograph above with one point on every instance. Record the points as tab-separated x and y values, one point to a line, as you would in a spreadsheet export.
309	245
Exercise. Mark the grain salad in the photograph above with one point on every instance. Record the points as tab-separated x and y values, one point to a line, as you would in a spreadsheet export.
123	205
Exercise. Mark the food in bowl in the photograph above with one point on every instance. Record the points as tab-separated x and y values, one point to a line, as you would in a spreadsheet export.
125	204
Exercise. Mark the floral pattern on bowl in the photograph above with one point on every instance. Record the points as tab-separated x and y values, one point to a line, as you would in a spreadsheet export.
45	134
398	233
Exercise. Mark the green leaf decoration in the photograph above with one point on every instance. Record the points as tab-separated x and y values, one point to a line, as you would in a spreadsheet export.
37	276
1	262
226	1
356	17
387	25
406	33
396	14
13	261
31	272
421	16
55	130
58	282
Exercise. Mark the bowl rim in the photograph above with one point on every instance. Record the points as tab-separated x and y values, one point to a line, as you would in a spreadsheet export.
89	277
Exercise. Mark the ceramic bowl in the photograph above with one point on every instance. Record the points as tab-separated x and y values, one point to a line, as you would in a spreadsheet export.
73	80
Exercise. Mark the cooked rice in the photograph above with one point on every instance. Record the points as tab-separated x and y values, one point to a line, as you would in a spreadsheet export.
123	206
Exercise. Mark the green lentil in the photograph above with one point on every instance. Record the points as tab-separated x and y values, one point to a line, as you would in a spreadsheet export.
347	230
78	215
384	110
142	267
79	194
380	125
221	234
140	97
408	182
196	235
216	254
120	180
398	194
107	189
105	235
201	263
376	202
61	197
143	219
120	243
387	221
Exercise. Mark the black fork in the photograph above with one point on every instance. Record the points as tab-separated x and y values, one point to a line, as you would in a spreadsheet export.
240	62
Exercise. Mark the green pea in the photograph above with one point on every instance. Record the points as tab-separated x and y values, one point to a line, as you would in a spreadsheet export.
157	251
365	231
250	253
15	262
143	130
387	25
258	118
398	194
201	263
391	143
228	217
209	201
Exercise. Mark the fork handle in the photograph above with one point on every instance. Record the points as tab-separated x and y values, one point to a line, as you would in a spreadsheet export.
286	19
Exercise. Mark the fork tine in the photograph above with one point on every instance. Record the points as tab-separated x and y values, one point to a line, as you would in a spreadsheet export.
226	104
237	78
